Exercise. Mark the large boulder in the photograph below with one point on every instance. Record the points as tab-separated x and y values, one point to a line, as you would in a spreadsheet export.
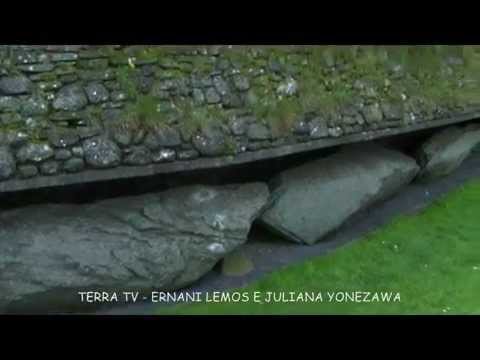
446	150
162	241
310	201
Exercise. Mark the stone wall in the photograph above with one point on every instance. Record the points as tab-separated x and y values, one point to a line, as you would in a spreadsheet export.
66	109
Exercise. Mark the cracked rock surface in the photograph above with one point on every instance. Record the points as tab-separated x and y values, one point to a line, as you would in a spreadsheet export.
161	241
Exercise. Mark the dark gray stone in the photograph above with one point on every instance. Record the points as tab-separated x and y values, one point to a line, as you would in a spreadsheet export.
63	138
74	165
9	104
16	139
122	135
258	132
27	171
119	96
88	132
372	114
301	127
64	57
211	142
101	153
35	153
446	150
11	119
392	111
221	85
198	96
7	163
15	85
163	241
186	155
318	128
77	151
138	155
96	93
239	125
70	98
212	96
49	168
164	155
310	201
63	154
161	137
37	68
232	100
241	82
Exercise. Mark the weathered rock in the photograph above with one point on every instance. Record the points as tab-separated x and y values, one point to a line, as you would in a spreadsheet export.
164	155
241	82
70	98
239	125
16	138
74	165
63	138
7	163
164	136
96	93
161	241
138	155
212	96
314	199
446	150
49	168
372	114
35	153
35	106
15	85
63	154
258	132
211	142
318	128
27	171
186	155
77	151
123	136
101	153
9	103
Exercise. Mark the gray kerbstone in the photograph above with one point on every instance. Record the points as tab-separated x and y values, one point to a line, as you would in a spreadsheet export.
446	150
312	200
162	241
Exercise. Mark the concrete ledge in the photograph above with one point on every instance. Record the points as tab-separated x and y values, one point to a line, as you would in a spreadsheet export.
125	172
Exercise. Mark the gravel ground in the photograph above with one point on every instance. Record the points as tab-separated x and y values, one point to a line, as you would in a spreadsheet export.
269	255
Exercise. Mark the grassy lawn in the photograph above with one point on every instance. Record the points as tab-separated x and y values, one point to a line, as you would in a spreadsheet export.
432	260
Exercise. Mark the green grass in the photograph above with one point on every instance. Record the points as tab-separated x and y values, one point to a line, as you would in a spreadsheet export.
431	259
